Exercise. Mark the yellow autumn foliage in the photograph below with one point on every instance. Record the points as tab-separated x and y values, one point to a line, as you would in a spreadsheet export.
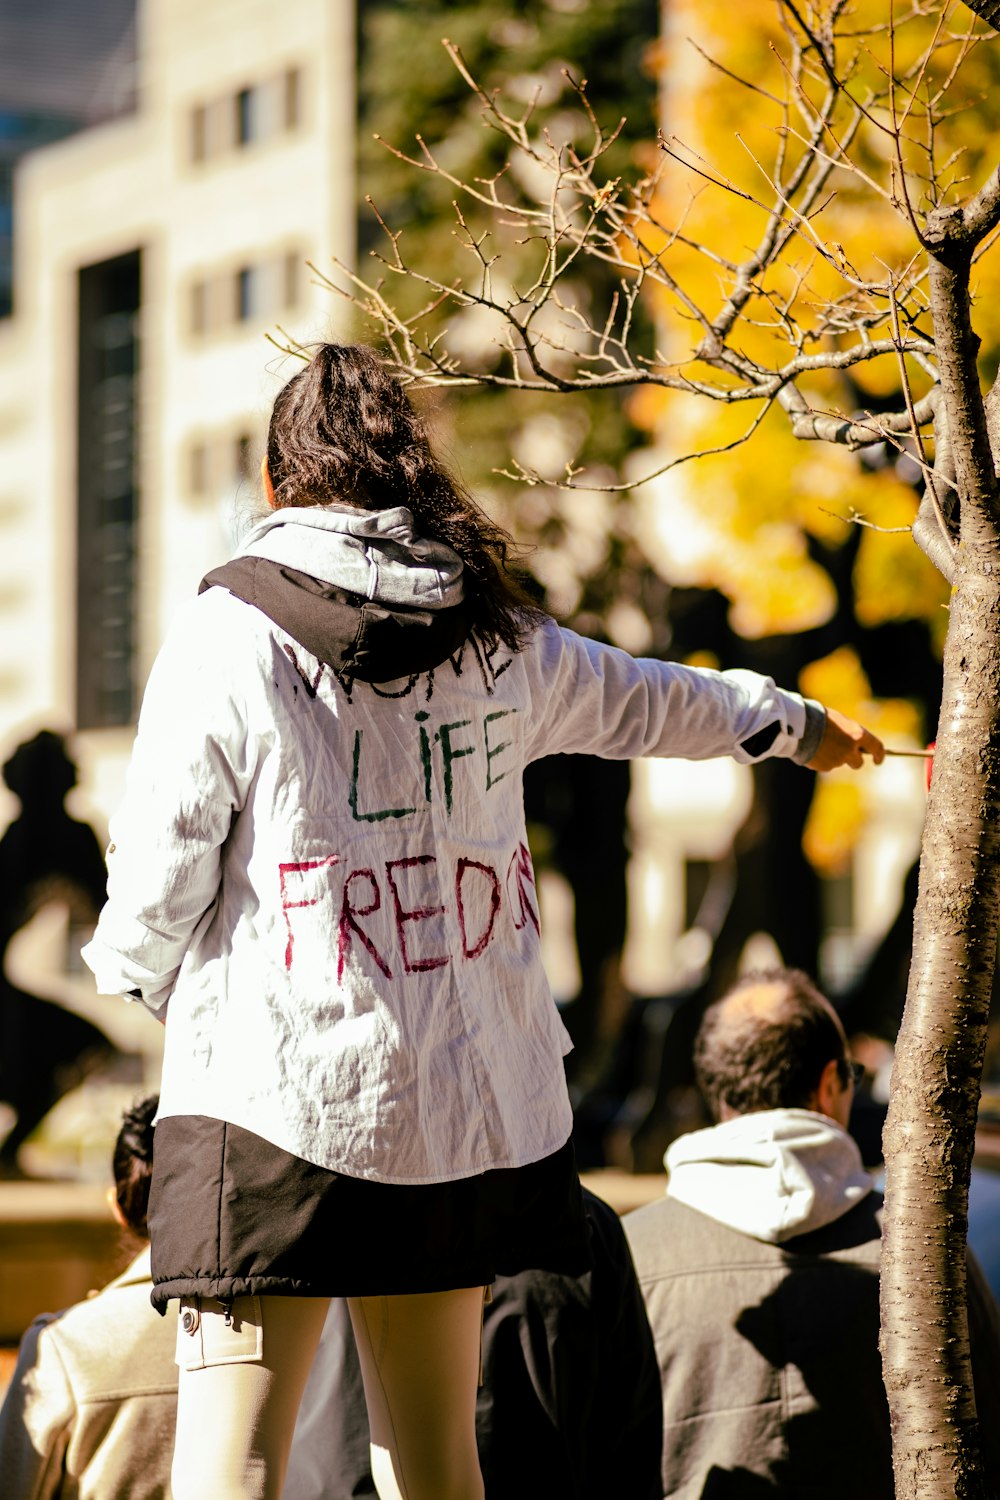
758	505
841	805
730	134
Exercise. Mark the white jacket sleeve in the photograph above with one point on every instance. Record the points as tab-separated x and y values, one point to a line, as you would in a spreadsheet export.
593	699
191	766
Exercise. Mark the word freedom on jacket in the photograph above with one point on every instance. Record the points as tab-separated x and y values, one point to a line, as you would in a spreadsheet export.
392	925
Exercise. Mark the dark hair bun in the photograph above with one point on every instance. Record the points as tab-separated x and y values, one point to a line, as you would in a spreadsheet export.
133	1163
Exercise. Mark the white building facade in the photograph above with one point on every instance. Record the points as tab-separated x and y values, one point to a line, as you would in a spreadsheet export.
152	255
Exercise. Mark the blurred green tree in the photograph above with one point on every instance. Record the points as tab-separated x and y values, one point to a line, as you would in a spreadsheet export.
585	554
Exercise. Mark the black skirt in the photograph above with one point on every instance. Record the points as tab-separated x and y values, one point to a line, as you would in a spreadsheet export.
232	1215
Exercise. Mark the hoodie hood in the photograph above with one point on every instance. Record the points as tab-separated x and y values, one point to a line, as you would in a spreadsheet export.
772	1175
361	591
377	554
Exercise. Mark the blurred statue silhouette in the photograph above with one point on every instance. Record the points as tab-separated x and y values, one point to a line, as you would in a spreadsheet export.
45	855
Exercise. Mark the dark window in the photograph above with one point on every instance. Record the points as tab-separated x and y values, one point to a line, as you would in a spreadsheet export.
243	456
107	491
246	117
246	293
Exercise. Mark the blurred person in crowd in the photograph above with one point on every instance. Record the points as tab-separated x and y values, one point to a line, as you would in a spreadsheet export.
569	1407
45	1050
320	881
91	1406
760	1268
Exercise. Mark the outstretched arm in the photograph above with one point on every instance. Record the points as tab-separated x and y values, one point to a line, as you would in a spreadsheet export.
845	743
592	699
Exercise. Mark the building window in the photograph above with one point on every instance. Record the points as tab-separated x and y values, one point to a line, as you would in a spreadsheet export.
245	105
245	289
243	455
256	112
198	307
218	462
198	468
199	133
292	90
107	491
223	299
292	269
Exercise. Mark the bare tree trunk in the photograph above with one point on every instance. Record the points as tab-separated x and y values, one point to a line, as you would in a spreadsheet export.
930	1133
931	1128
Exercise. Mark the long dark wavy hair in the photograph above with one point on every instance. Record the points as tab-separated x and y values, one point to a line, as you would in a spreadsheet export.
343	429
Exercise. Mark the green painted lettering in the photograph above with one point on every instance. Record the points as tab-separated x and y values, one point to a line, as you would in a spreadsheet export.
384	812
425	752
451	753
492	751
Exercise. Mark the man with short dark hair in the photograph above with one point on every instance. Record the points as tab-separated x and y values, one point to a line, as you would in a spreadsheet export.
760	1268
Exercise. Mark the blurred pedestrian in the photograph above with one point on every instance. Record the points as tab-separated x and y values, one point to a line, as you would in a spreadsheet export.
760	1268
89	1413
320	880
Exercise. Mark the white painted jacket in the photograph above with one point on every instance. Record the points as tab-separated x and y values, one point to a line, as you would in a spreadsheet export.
330	881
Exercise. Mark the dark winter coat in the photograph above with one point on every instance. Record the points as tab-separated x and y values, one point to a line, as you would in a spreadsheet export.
570	1404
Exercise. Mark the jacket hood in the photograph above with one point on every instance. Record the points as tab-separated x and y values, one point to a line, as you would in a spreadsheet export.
377	554
772	1175
361	591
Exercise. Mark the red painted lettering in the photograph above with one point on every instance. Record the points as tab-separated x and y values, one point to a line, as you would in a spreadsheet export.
524	879
478	946
348	923
415	914
296	867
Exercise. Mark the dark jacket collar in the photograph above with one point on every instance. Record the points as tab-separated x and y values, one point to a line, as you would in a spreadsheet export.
356	637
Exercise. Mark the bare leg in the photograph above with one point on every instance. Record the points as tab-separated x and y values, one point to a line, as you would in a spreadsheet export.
420	1361
236	1414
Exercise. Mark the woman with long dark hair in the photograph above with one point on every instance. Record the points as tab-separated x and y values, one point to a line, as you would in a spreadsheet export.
320	876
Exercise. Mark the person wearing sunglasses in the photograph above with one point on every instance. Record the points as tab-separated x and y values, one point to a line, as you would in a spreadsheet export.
759	1267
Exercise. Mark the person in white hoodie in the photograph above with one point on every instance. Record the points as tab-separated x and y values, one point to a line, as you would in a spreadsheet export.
320	879
759	1268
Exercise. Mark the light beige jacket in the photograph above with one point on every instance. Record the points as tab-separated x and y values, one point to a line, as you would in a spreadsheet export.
91	1407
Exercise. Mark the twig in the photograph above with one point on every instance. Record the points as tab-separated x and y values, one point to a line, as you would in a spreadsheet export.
855	518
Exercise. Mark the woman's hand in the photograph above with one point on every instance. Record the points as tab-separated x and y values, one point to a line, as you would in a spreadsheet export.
845	743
